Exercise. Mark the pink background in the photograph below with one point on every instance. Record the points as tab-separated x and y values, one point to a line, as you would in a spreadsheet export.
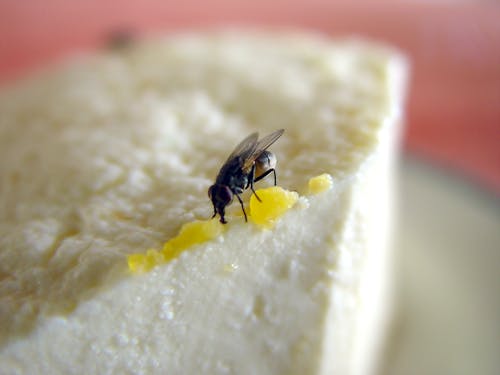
454	104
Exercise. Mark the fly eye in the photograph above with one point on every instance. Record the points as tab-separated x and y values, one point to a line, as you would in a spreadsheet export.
224	194
220	193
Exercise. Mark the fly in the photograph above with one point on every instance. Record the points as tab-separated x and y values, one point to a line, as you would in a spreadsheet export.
248	163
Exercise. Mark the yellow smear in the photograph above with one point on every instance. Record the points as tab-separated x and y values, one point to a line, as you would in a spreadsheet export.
275	202
190	234
139	263
320	183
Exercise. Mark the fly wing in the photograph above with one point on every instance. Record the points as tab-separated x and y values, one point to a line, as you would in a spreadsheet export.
246	148
260	146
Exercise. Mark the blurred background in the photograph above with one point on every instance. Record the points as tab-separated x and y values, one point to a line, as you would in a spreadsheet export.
449	212
454	102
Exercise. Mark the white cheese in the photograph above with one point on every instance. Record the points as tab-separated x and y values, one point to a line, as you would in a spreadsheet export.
111	155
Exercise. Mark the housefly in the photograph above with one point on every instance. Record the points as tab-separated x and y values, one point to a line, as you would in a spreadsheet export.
248	163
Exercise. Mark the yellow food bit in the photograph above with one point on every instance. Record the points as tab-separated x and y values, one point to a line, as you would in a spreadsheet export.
229	268
190	234
275	201
320	183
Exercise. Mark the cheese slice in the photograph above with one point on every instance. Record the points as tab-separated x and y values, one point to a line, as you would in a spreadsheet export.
112	154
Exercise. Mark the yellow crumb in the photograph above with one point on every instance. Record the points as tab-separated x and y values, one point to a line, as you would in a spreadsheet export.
229	268
320	183
275	201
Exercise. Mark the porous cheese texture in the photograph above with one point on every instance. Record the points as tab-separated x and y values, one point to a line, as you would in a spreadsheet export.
112	154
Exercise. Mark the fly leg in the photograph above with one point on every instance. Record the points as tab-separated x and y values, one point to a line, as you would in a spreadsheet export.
265	174
242	207
222	219
251	181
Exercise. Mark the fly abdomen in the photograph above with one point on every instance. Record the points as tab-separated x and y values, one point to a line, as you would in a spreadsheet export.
265	162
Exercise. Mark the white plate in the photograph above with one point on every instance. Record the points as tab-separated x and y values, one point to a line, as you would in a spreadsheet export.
448	276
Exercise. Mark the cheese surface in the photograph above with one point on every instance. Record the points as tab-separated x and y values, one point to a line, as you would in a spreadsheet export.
112	155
